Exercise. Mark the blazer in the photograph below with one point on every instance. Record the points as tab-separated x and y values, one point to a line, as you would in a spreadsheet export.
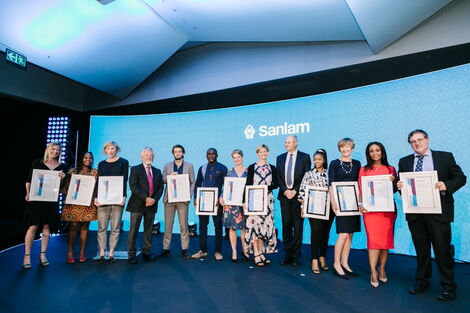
187	169
302	165
138	182
448	172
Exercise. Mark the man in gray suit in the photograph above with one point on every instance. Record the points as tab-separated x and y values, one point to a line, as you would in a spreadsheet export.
177	166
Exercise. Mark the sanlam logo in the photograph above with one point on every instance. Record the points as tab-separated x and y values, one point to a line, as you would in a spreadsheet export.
284	129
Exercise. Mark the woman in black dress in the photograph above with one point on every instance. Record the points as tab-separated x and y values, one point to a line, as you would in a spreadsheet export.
39	215
341	170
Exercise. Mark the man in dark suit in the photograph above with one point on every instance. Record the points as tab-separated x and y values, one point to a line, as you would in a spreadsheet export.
291	167
146	185
427	229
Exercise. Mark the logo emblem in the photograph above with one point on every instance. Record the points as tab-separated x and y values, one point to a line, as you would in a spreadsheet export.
249	132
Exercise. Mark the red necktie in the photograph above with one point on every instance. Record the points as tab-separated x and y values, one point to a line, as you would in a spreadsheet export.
150	178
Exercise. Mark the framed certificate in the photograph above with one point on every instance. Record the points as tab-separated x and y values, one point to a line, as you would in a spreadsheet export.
346	195
256	199
45	186
206	200
178	188
419	193
233	190
110	189
316	203
377	193
80	190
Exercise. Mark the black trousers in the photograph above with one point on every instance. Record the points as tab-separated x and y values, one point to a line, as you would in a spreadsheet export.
292	226
136	219
426	231
319	235
203	222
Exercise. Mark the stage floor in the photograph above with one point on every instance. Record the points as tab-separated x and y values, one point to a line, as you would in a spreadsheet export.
174	284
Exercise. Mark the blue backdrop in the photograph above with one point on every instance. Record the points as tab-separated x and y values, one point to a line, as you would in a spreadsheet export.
437	102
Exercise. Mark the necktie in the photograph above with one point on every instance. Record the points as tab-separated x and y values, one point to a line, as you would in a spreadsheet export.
289	171
150	179
419	163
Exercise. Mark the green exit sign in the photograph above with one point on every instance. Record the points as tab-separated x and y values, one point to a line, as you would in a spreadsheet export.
14	57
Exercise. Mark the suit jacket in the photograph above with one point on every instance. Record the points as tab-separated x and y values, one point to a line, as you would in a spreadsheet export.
138	182
448	172
302	165
187	169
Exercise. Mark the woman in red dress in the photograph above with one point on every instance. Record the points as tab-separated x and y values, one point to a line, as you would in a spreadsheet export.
379	225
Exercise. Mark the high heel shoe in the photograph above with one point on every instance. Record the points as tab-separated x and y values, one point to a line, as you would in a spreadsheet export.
260	263
374	284
383	280
350	273
27	265
265	261
246	257
70	260
45	263
342	276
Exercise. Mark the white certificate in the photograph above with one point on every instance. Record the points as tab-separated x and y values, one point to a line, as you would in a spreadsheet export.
346	195
377	193
110	189
45	186
206	200
419	193
256	199
178	188
80	190
233	190
316	203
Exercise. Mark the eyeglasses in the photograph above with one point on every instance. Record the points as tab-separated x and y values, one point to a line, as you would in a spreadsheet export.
419	140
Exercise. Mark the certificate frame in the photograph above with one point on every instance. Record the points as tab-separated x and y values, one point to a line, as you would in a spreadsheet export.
201	209
339	190
369	193
172	181
249	190
80	191
410	197
45	185
234	185
107	184
307	208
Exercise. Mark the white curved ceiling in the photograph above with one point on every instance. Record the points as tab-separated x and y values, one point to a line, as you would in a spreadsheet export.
114	47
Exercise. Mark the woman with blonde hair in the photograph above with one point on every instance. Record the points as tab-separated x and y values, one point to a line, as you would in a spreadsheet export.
40	215
112	166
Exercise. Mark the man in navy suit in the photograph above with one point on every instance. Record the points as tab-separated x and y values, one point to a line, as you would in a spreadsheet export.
146	185
433	229
291	167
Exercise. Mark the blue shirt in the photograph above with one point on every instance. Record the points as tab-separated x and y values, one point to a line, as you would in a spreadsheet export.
428	164
178	170
213	177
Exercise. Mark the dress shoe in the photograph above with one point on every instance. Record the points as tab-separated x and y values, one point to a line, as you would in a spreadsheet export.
101	260
295	263
199	255
166	252
111	260
447	295
350	273
419	287
132	259
342	276
148	257
218	256
286	261
185	254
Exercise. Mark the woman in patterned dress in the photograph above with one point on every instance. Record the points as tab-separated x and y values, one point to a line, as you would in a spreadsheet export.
261	234
233	215
79	216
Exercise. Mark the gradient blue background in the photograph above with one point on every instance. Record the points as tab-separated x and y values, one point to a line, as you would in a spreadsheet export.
437	102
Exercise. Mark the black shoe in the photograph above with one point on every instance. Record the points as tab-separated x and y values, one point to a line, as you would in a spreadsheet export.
295	263
419	287
101	260
344	276
185	254
235	260
166	252
350	273
132	259
111	260
448	295
286	261
246	257
148	257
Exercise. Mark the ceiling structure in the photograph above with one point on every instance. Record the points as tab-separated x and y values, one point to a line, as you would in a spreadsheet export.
114	47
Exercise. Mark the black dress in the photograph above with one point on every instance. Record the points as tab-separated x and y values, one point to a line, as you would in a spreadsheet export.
336	173
41	212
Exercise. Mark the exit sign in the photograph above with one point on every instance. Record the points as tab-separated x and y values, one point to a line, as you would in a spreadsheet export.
14	57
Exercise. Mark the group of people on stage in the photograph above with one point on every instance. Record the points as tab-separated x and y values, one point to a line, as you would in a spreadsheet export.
292	174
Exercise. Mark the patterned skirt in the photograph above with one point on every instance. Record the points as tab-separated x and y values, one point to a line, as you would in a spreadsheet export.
261	227
79	213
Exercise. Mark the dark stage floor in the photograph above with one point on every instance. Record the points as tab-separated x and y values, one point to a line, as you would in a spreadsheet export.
174	284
